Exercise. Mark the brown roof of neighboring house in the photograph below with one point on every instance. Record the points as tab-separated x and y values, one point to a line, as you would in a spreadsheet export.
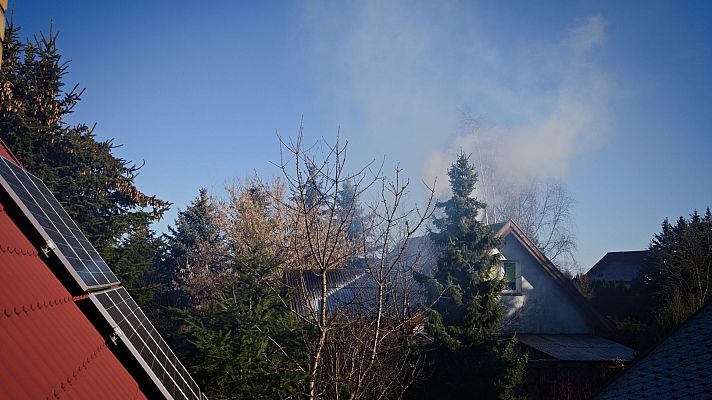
598	321
576	347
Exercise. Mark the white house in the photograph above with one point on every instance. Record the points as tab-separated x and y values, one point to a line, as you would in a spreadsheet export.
554	323
538	297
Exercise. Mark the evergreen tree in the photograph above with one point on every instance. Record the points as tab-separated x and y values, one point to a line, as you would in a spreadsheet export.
183	278
466	359
196	224
196	251
247	342
313	193
350	210
466	270
134	260
678	272
242	342
95	186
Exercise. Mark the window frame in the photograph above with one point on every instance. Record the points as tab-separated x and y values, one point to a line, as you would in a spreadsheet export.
517	277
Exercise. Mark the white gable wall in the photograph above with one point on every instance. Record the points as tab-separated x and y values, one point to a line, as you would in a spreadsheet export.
542	306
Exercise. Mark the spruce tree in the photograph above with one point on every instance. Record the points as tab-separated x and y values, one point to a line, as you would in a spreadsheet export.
134	261
466	359
95	186
349	210
466	269
196	245
243	341
247	340
196	224
313	192
677	273
192	244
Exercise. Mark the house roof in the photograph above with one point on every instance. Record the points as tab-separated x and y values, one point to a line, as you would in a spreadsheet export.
498	226
577	347
571	291
53	341
307	286
48	347
7	153
618	266
680	367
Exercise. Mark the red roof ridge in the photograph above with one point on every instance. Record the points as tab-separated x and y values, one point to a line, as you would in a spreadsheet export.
7	153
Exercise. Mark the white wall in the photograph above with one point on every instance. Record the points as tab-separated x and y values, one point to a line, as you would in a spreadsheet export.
542	307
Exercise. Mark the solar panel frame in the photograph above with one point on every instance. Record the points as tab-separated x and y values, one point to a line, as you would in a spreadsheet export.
142	339
57	228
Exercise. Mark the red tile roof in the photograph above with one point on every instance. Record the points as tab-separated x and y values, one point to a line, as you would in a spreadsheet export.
48	347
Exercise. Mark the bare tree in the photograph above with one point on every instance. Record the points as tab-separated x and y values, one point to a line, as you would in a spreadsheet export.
542	208
382	370
318	237
358	350
303	222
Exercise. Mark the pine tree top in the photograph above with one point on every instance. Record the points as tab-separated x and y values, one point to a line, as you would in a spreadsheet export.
96	187
462	176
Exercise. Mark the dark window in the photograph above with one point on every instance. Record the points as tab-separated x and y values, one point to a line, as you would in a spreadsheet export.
510	275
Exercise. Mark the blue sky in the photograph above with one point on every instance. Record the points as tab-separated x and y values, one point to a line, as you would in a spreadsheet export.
613	98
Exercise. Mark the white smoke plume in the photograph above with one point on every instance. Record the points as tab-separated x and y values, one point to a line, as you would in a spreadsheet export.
552	128
399	73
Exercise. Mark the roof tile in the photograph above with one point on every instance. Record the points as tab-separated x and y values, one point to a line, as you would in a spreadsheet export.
681	366
49	347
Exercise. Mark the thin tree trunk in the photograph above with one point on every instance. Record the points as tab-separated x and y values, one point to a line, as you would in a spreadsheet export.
316	361
374	348
379	314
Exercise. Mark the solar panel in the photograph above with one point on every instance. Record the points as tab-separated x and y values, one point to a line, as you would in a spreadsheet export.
146	344
63	236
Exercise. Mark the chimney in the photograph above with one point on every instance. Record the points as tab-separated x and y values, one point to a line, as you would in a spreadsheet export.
3	8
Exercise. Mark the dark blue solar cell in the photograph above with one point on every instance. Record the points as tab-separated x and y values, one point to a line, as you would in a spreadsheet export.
105	301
